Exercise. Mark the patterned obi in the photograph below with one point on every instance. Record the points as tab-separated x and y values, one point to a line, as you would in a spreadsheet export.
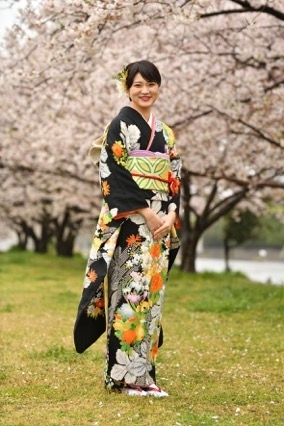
150	170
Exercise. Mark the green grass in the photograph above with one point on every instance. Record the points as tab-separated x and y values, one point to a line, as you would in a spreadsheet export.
222	359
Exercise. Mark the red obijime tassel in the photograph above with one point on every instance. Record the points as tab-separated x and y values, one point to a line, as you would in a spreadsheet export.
173	183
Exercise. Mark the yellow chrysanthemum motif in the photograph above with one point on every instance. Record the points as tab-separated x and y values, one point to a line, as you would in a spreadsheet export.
169	135
121	78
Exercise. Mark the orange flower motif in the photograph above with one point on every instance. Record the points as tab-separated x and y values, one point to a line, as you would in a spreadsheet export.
133	239
100	303
117	149
102	224
155	250
105	188
128	336
92	275
156	283
155	352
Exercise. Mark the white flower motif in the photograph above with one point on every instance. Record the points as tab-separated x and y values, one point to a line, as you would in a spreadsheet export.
137	276
103	156
137	218
128	368
129	136
133	137
172	207
123	129
86	283
144	231
146	284
126	311
138	366
106	257
156	314
156	310
113	212
104	169
136	259
93	253
147	259
159	126
153	326
129	264
126	290
157	207
119	371
176	166
144	349
124	133
136	286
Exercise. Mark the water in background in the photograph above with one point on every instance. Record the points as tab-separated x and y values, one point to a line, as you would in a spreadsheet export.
271	272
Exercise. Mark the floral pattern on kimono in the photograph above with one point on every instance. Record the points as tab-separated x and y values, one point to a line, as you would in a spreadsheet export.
127	270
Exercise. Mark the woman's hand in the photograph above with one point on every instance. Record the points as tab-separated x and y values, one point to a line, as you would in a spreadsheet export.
153	221
159	226
165	228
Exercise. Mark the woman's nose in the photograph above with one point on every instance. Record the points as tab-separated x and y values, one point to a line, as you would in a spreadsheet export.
145	89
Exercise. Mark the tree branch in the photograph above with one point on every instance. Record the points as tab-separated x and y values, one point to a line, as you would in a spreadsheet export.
188	120
225	206
256	131
249	183
260	134
247	8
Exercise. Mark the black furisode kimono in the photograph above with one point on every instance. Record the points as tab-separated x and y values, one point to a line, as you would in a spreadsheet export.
127	269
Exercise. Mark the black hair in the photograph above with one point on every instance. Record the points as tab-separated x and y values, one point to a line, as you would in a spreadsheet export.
147	69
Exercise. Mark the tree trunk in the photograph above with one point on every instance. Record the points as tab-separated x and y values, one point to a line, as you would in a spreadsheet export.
226	254
65	233
190	234
65	247
40	246
188	247
41	242
22	240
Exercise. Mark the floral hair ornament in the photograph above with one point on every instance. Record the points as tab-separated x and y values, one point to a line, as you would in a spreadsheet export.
121	78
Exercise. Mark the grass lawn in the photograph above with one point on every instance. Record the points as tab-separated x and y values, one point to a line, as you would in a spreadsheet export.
221	362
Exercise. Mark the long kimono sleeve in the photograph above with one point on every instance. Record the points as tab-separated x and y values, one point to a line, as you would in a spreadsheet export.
174	202
119	189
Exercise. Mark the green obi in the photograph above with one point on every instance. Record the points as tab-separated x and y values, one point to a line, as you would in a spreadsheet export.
149	170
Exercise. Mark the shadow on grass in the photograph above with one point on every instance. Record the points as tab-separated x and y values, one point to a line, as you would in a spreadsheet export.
62	354
57	353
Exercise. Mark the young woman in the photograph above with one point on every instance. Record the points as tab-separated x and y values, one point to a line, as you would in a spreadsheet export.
135	242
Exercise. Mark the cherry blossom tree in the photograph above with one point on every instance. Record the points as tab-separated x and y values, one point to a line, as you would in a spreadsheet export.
222	68
51	69
237	131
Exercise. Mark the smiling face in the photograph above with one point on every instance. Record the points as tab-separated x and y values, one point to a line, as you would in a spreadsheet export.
143	95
